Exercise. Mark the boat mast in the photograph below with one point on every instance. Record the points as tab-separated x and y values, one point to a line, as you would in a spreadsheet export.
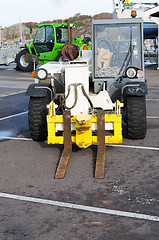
0	36
20	31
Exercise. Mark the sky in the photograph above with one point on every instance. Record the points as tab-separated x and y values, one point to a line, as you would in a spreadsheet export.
15	11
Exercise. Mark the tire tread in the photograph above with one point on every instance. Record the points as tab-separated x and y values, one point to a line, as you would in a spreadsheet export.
136	117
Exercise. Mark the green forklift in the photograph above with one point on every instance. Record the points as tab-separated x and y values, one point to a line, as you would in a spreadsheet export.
47	46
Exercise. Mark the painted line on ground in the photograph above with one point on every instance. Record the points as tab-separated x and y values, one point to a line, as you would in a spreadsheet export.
81	207
16	138
152	117
107	145
12	116
154	87
152	99
17	78
2	95
18	114
133	147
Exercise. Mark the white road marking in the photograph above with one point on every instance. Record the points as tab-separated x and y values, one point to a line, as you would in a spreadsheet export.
154	87
18	114
12	116
17	78
133	147
152	117
152	99
16	138
11	94
7	94
81	207
107	145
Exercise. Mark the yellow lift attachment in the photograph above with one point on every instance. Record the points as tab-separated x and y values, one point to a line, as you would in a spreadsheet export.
83	130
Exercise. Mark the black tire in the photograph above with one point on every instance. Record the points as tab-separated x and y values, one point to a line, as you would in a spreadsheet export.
37	117
60	58
22	65
136	125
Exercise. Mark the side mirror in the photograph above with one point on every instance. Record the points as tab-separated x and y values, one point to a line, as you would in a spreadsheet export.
31	30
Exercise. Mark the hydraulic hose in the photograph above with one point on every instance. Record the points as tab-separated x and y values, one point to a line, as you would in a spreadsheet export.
76	96
85	94
57	80
75	85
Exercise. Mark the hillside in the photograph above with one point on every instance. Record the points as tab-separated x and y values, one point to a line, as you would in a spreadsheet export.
82	23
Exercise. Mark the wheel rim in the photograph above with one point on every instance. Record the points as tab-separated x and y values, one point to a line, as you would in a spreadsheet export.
23	63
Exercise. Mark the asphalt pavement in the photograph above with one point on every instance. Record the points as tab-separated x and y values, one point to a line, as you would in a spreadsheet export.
36	206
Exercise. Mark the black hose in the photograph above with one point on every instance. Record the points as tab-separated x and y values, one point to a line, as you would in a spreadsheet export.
75	102
54	93
57	80
62	101
85	94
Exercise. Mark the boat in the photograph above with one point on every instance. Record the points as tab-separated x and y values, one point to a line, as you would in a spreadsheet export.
149	12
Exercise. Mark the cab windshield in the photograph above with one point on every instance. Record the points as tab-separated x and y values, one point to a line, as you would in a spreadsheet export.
61	34
44	39
116	46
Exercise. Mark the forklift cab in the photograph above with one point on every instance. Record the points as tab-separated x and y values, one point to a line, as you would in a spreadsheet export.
44	39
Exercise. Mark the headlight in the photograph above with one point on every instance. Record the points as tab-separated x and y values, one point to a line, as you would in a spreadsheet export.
131	72
41	74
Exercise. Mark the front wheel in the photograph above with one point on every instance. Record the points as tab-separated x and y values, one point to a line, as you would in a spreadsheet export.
37	117
136	125
22	64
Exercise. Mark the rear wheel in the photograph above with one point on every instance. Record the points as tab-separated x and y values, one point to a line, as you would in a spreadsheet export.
37	117
136	125
60	58
22	64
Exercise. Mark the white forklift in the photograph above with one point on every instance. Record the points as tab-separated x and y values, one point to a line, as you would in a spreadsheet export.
84	101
